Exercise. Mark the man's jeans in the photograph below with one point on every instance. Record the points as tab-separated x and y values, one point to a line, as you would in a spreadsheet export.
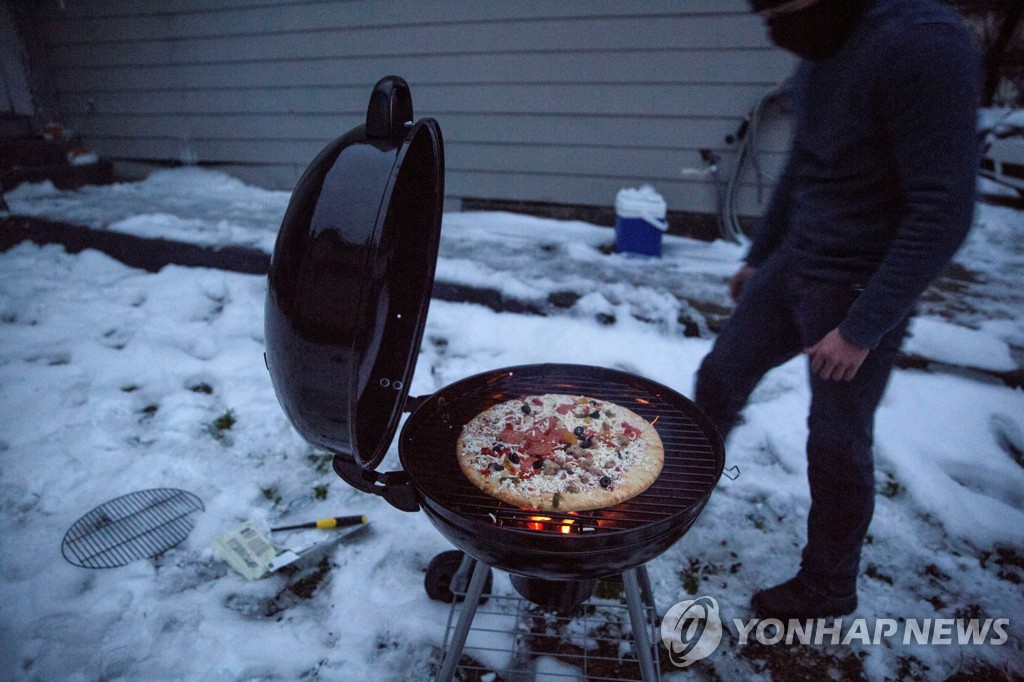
779	314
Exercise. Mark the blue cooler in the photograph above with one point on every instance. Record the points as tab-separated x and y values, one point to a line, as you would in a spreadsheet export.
640	221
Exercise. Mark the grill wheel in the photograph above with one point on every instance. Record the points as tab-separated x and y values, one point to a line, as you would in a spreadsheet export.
440	571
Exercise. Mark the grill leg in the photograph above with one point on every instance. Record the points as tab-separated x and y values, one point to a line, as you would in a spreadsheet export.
645	586
632	581
469	604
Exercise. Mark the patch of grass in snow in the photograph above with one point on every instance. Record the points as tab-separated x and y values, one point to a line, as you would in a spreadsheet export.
698	569
219	427
321	463
935	578
148	412
891	488
911	668
933	571
1008	563
872	572
980	671
271	494
201	387
798	662
758	520
969	612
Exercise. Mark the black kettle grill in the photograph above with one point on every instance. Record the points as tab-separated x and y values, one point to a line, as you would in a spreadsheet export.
349	285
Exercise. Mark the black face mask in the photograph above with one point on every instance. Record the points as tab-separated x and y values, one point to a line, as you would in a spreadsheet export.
817	32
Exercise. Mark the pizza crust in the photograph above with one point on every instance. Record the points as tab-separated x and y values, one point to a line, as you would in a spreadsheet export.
539	456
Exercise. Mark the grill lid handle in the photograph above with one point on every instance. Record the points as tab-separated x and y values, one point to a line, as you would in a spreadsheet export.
390	109
393	486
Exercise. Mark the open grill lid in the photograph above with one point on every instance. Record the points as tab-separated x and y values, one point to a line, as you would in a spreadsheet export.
351	277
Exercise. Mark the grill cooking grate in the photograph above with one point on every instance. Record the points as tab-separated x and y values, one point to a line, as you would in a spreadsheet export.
518	640
139	525
692	459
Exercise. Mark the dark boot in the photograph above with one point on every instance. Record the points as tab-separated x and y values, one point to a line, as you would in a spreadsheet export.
794	599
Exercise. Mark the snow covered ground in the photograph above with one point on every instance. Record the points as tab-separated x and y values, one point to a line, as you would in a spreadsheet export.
114	380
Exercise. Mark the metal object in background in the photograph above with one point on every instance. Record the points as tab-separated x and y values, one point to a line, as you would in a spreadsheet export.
139	525
746	139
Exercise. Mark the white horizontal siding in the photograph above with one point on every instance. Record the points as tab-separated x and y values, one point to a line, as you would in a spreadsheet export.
539	101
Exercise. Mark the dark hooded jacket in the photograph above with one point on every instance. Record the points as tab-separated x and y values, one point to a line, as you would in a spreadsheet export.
879	188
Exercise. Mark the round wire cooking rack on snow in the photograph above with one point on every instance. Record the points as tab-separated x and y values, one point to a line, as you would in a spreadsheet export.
138	525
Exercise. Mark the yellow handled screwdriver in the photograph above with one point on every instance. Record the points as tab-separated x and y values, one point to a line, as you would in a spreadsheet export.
327	524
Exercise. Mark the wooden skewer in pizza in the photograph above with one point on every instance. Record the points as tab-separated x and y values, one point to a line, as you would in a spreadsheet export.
556	452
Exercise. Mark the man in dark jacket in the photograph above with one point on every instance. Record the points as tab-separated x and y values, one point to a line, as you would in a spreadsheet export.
876	197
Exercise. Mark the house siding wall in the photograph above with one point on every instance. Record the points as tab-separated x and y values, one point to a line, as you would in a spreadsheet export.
539	101
15	96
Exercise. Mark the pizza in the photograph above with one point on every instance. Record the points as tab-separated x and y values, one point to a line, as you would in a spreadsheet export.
556	452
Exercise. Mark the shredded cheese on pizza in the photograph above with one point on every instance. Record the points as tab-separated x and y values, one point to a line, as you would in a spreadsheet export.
552	445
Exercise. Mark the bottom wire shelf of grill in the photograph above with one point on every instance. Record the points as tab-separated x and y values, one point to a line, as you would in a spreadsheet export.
513	640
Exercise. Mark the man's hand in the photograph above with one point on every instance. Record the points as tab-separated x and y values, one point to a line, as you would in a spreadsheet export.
835	358
737	281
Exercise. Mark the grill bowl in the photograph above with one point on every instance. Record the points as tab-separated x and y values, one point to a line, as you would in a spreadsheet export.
622	536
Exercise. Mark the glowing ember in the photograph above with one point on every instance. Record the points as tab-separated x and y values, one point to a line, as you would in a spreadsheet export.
545	523
537	522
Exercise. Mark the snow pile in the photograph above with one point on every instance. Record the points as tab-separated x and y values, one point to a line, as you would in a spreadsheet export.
954	345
